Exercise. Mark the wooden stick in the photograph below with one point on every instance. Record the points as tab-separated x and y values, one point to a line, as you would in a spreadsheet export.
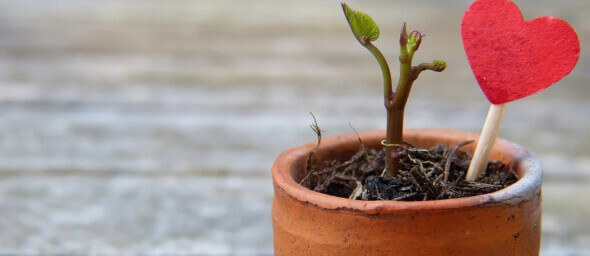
487	138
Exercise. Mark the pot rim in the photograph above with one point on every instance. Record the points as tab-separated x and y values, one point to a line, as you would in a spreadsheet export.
527	187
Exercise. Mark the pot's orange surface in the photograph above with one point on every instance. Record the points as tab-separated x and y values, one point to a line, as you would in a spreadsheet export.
506	222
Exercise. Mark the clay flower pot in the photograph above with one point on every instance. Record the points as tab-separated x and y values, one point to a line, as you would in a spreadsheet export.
506	222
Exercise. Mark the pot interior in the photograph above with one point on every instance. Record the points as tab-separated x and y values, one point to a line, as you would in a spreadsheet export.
343	147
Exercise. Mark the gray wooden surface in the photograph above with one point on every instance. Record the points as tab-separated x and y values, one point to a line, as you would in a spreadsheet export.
149	127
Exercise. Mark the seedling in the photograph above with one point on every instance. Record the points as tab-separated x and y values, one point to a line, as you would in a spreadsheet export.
498	43
366	31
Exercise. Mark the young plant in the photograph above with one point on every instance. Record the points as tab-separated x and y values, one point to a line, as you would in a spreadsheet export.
366	31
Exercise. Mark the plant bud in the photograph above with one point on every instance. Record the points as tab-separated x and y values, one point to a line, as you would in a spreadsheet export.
414	40
403	36
439	65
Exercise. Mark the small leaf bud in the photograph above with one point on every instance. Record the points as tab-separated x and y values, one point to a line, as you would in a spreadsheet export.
414	40
439	65
403	36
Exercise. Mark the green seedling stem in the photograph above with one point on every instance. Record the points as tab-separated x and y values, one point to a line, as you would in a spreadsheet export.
366	31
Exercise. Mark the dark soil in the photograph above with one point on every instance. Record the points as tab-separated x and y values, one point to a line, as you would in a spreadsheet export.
428	174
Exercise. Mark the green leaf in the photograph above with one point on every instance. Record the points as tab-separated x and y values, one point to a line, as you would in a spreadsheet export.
363	27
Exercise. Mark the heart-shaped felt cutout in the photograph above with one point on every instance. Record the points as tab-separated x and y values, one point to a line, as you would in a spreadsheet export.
513	58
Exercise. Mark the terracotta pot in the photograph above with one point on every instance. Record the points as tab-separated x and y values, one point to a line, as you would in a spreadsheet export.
506	222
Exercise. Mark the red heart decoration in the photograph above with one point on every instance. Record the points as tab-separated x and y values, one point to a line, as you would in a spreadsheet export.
513	58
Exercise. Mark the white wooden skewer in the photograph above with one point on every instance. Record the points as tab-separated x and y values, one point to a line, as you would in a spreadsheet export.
487	138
